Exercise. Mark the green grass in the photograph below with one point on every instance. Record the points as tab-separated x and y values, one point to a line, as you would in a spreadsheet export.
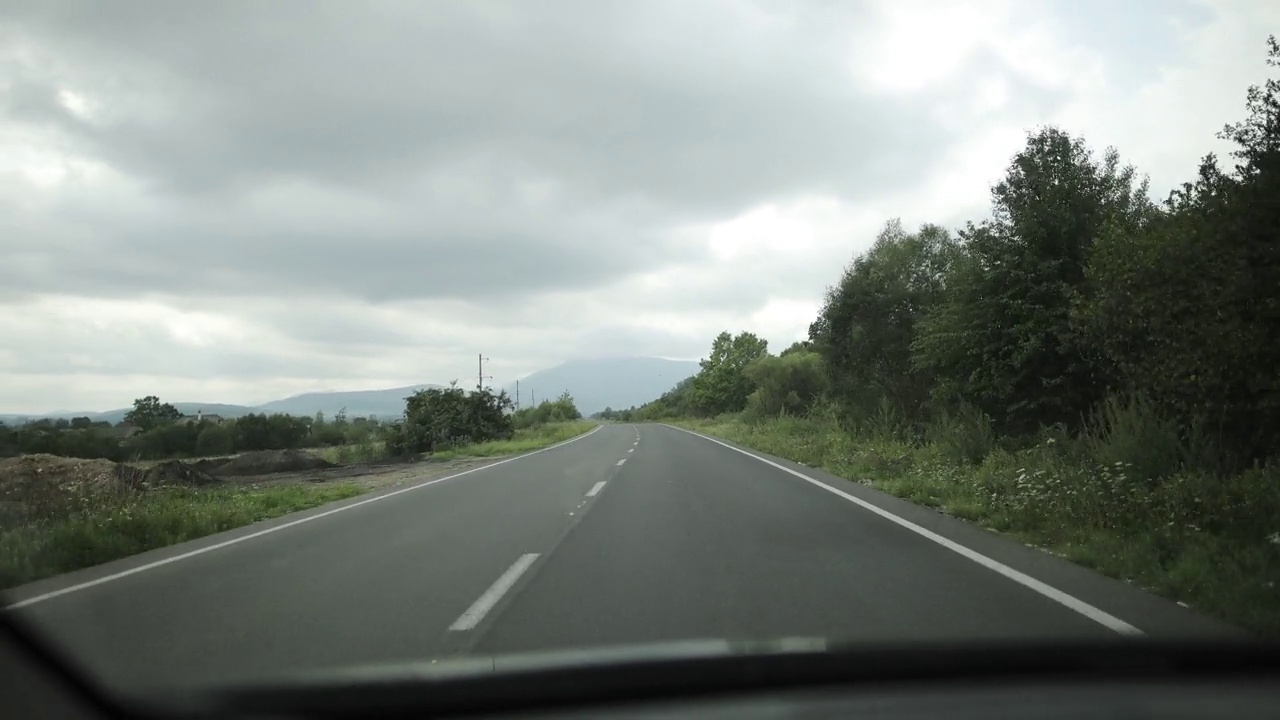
1208	541
525	440
145	521
354	453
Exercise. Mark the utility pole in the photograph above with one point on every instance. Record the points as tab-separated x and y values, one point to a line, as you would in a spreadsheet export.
480	376
517	396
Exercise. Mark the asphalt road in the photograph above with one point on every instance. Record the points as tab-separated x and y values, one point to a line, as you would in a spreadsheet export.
633	533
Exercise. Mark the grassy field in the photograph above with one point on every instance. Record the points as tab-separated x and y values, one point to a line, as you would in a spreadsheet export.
1210	542
143	521
525	440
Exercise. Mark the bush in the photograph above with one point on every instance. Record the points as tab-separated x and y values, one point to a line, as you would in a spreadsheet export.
562	409
790	383
214	440
1128	432
364	451
963	435
440	418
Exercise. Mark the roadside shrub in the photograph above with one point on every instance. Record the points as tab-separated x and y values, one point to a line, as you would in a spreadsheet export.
1130	432
365	451
885	422
963	435
789	383
214	440
562	409
441	418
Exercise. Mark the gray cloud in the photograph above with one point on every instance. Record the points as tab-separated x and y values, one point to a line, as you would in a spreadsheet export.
508	149
377	191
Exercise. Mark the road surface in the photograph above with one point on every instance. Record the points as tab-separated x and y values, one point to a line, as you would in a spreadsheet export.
632	533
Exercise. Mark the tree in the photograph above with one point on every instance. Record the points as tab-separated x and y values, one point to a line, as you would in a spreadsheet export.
1001	335
791	383
149	413
8	441
676	402
797	346
214	440
90	442
80	423
722	385
868	321
440	418
1185	308
164	441
559	410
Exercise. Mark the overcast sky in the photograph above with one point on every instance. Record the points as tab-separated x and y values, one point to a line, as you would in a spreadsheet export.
233	202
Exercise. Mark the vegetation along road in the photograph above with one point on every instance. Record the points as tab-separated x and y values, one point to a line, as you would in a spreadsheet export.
628	533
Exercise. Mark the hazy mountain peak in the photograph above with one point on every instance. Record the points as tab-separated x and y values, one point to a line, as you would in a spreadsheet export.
597	383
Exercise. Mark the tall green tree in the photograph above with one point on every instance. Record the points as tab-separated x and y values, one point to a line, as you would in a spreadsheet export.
149	413
1001	336
790	383
1186	308
721	384
867	323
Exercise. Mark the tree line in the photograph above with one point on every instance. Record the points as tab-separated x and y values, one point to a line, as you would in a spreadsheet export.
157	430
1080	304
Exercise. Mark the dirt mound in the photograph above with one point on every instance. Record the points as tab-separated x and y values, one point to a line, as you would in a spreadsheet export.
28	475
263	462
173	472
43	476
209	465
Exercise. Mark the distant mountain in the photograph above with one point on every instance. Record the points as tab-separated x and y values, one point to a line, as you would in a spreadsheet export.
186	408
606	382
115	416
595	384
383	404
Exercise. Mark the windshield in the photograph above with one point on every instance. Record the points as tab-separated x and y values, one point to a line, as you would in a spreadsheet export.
341	336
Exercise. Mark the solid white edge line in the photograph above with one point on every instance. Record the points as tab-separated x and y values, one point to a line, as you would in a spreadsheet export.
485	602
595	489
622	461
1099	616
218	546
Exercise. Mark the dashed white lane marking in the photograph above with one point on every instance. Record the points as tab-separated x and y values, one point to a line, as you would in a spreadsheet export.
595	489
485	602
277	528
1095	614
630	450
622	461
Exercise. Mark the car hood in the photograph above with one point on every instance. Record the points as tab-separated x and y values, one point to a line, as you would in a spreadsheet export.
484	664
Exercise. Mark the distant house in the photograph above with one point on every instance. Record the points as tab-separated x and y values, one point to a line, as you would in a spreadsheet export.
200	417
